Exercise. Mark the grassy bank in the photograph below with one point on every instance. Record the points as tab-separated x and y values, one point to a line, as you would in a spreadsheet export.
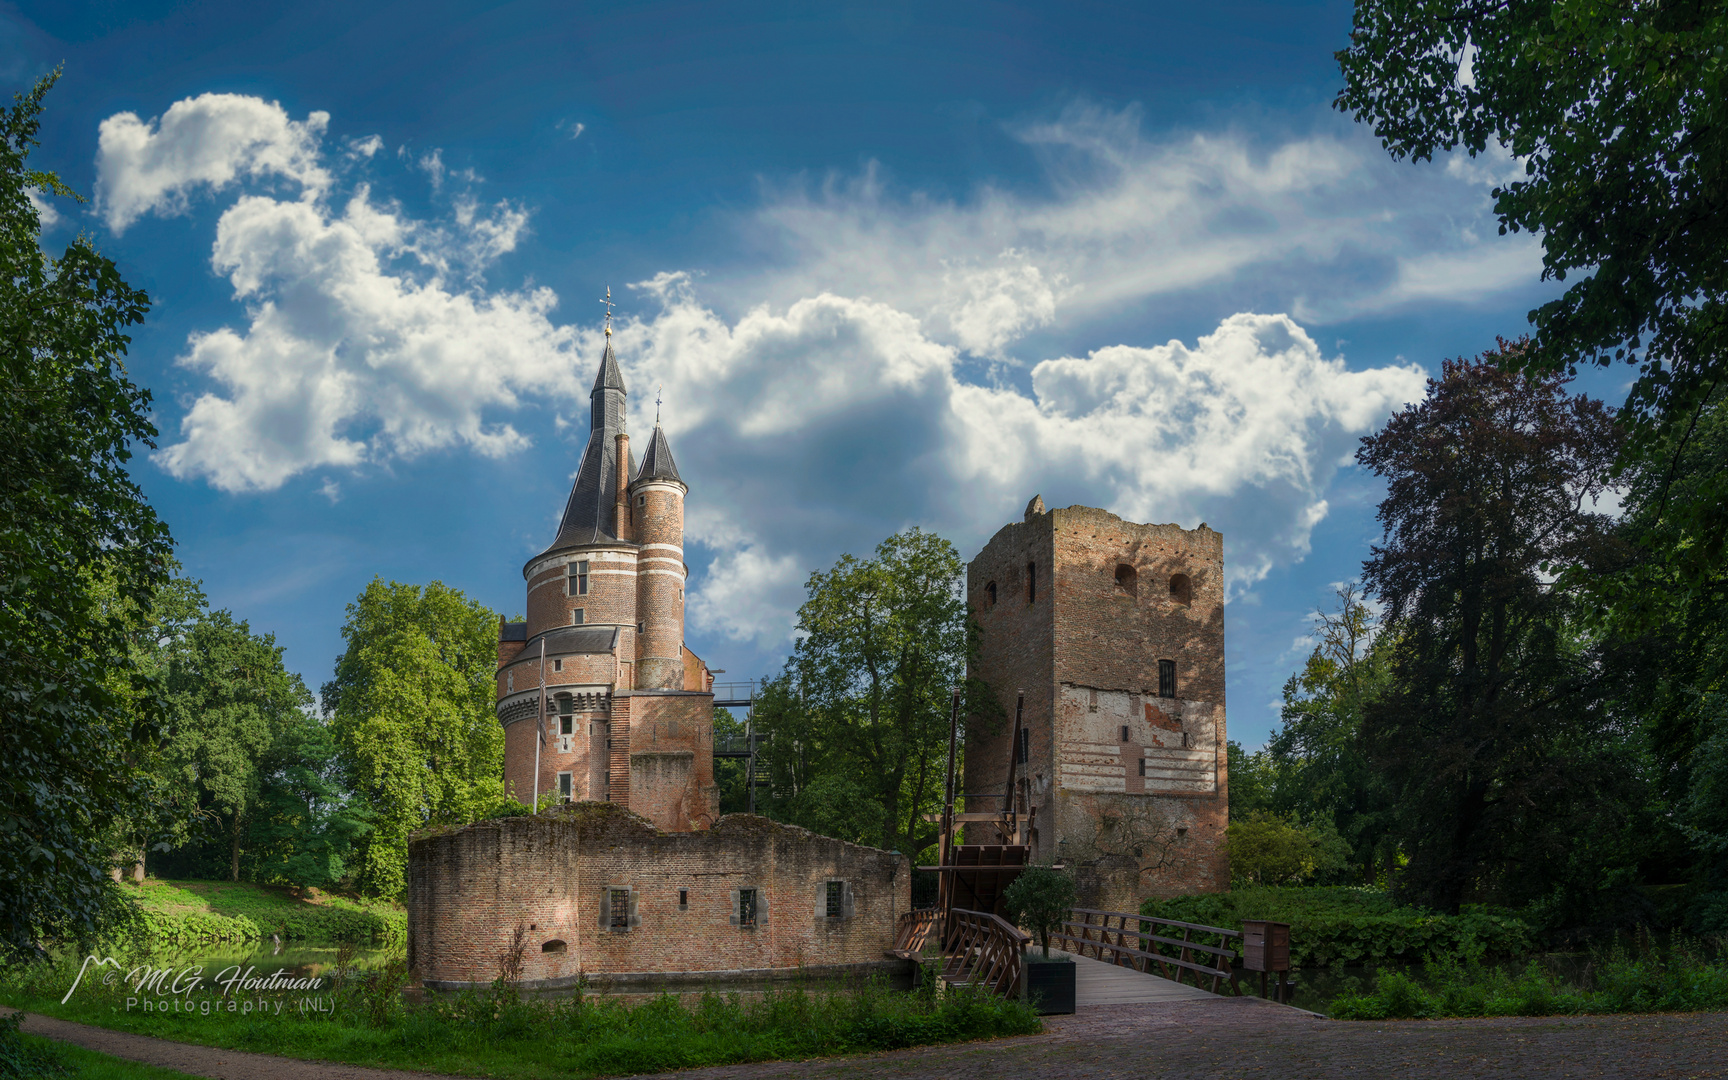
368	1022
1355	926
191	913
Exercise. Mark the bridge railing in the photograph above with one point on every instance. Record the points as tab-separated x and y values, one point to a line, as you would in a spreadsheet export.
983	950
915	930
1143	943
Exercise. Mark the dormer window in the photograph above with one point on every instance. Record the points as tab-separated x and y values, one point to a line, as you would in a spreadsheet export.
579	577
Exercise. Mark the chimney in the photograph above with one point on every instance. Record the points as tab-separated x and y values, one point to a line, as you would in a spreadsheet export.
622	503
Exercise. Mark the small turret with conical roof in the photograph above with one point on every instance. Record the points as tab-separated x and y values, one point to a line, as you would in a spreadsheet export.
658	493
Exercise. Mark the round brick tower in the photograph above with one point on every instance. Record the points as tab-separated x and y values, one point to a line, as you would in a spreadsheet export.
657	506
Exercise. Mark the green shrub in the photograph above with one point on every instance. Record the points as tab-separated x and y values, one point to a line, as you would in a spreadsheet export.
1685	979
1354	925
20	1060
1039	901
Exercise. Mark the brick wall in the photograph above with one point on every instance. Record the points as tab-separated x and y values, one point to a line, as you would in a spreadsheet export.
672	759
552	874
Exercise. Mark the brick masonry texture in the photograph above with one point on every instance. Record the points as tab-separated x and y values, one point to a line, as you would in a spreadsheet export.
1086	606
554	875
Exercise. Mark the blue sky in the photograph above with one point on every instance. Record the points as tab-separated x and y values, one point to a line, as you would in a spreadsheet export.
894	264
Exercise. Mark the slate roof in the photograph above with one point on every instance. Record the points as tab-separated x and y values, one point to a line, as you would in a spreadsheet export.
513	631
657	463
565	640
590	514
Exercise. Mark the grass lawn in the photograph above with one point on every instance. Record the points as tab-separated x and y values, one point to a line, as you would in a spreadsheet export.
496	1033
90	1065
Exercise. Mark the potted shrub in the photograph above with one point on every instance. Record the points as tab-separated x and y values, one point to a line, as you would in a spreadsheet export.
1038	901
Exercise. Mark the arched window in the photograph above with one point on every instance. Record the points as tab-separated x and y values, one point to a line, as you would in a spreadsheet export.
553	946
1127	580
990	594
1181	590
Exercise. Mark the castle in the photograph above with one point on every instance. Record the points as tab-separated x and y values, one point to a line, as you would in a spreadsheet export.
1105	636
628	710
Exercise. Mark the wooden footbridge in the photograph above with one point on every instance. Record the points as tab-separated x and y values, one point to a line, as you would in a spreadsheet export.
1122	956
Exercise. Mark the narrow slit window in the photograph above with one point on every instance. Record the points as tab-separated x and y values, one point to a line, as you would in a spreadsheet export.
620	909
1024	751
1031	583
990	594
836	899
1124	732
1167	678
579	577
1142	766
683	899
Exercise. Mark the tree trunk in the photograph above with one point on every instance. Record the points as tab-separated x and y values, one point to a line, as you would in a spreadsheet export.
234	852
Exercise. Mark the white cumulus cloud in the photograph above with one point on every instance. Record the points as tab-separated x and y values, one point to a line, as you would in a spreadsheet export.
212	139
841	418
356	348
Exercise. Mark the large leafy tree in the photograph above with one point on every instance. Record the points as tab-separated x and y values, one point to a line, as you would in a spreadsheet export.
1618	112
70	516
1491	735
233	710
859	720
1317	757
411	708
1668	620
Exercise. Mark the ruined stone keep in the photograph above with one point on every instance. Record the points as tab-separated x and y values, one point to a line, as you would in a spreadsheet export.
1114	631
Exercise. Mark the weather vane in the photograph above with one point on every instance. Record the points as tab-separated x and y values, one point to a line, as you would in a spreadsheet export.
608	303
657	390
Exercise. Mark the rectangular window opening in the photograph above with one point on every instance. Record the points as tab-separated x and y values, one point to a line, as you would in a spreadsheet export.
579	577
1142	766
566	725
564	787
683	899
620	903
1167	678
836	899
746	907
1124	732
1031	582
557	665
576	617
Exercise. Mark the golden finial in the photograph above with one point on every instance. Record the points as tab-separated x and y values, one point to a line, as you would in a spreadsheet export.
608	303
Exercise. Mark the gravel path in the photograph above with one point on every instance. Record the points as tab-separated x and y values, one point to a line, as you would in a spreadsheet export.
1221	1037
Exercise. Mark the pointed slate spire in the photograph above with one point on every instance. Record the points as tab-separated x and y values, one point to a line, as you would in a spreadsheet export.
590	514
609	378
657	463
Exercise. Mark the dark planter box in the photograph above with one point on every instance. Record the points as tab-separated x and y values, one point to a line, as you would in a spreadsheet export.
1049	983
